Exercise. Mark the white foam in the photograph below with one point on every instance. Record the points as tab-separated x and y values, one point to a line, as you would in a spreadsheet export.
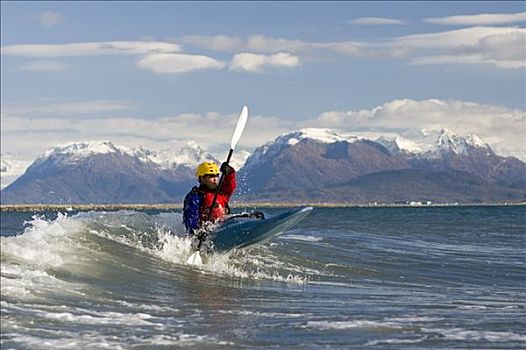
473	335
235	265
64	244
339	325
60	243
44	243
92	340
239	264
177	249
412	319
182	339
131	319
174	249
18	282
472	307
262	314
333	284
27	258
391	322
301	238
148	307
396	341
29	283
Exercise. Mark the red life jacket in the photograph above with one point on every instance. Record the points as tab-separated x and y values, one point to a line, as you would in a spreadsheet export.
221	205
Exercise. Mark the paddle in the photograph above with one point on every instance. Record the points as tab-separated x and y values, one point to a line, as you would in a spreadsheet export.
195	258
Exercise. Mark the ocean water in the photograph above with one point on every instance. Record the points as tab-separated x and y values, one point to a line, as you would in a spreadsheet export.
344	278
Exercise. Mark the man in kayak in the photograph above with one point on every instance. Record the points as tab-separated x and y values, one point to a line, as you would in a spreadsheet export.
197	203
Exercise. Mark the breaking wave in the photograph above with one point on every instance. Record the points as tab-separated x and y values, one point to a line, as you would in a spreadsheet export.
69	251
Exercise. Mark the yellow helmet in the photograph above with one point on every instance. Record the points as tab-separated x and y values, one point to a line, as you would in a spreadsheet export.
207	168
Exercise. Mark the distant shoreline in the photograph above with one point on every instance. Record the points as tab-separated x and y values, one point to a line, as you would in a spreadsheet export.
163	207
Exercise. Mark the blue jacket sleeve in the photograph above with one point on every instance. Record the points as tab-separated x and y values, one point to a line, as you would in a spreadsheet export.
191	207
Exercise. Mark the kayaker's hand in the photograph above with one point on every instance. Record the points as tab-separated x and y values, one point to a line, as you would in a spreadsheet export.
226	169
257	215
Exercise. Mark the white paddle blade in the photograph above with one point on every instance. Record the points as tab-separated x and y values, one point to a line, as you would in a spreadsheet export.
195	259
240	127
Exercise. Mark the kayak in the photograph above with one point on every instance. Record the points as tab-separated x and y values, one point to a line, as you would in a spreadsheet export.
241	232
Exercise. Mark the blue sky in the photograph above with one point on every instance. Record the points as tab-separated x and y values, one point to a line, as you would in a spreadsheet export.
159	73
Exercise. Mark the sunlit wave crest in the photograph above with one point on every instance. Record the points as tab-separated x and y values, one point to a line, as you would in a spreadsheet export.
87	244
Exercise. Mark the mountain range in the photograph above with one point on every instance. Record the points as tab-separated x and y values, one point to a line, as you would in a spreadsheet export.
307	165
321	165
100	172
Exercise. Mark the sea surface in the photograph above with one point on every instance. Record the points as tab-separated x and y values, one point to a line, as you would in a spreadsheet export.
343	278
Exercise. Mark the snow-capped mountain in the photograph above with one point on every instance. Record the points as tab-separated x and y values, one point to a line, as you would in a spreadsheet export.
304	165
101	172
446	143
449	142
75	152
400	145
314	157
11	168
191	154
5	165
320	163
239	158
286	140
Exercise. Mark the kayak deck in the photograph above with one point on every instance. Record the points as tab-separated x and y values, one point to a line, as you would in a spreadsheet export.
241	232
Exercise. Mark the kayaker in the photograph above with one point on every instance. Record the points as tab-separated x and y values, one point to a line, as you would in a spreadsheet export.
197	203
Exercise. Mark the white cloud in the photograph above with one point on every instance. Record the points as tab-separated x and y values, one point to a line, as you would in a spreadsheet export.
257	63
32	136
90	49
68	108
178	63
263	44
248	62
218	42
502	47
159	57
49	18
479	19
467	59
501	127
253	44
454	38
44	66
375	21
